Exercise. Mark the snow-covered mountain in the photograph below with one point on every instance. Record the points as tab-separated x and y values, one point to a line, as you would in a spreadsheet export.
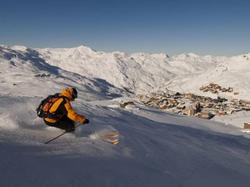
141	72
24	68
156	148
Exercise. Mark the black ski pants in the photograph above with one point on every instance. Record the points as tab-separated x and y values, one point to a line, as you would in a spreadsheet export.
64	123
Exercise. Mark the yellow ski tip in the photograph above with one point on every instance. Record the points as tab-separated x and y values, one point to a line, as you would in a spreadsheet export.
114	143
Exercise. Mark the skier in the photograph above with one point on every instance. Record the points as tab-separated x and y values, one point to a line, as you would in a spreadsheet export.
64	117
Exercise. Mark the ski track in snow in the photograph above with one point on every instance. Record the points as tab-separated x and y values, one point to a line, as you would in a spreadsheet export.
156	148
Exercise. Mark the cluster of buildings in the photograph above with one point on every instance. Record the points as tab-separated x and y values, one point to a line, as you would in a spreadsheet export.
216	88
193	105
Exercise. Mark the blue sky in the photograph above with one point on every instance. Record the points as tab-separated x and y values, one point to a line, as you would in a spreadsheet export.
217	27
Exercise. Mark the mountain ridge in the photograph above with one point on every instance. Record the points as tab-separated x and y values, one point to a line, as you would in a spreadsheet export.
140	72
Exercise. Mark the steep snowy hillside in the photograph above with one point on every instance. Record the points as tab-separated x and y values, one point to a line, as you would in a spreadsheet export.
23	71
119	69
156	148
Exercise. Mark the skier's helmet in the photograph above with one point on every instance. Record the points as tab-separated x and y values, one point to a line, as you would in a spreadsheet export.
69	92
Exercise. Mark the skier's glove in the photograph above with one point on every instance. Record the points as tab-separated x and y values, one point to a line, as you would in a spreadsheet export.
86	121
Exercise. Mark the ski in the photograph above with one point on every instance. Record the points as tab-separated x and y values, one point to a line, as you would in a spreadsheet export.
111	137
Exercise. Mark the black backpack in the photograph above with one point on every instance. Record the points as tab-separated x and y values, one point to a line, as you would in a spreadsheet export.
45	105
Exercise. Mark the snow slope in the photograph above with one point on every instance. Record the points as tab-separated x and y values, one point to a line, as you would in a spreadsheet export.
156	148
24	68
227	72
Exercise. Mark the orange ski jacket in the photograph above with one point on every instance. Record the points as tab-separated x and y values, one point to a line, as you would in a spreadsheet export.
63	107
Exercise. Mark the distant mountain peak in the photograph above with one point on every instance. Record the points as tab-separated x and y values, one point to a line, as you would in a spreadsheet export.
19	48
85	49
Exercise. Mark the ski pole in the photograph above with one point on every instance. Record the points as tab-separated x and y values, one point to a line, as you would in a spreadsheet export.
60	135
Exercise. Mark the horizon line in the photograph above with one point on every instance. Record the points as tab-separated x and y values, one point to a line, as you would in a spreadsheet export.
129	53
